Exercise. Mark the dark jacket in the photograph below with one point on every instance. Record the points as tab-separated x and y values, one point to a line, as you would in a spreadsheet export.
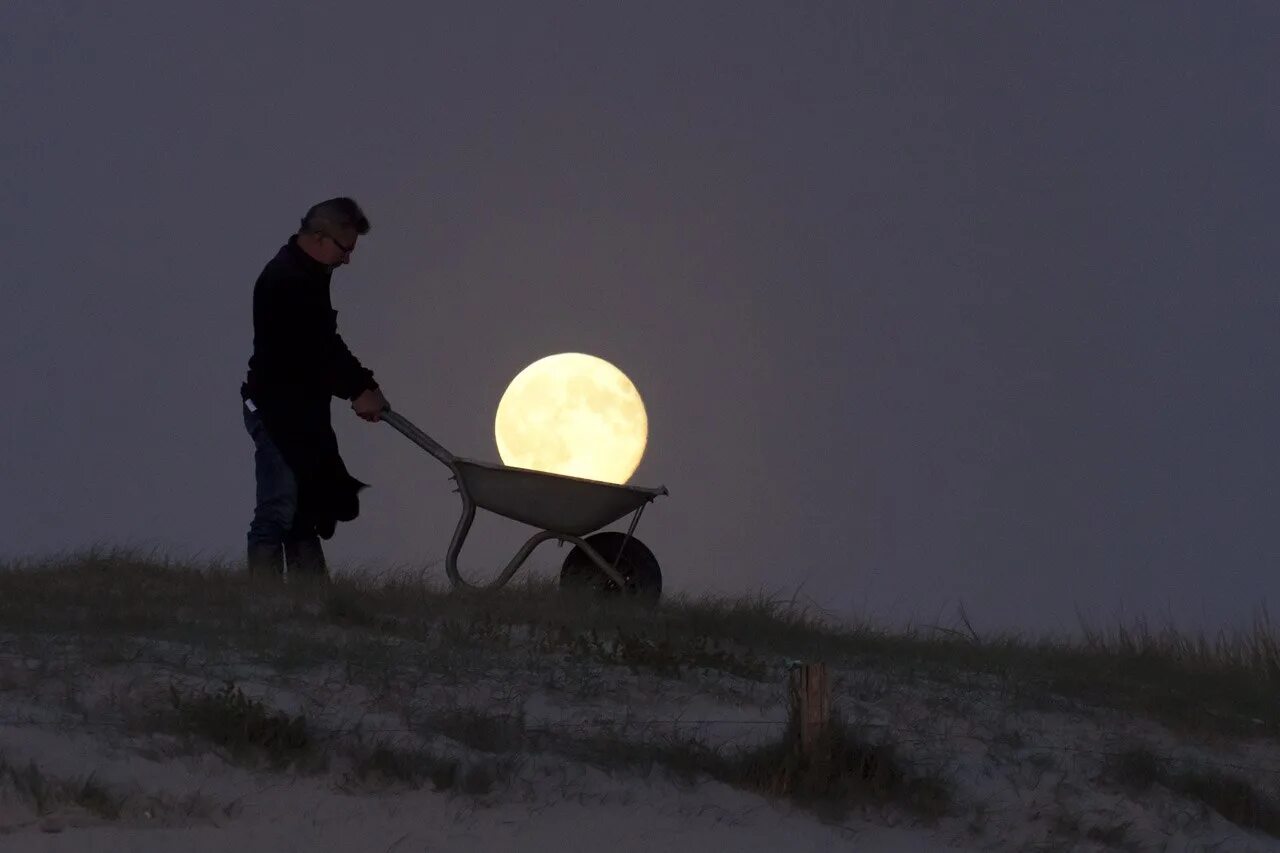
299	362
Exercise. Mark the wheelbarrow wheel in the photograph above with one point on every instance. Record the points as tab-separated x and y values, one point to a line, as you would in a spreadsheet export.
637	565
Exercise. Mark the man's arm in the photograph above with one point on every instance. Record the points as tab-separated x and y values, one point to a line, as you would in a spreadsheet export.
353	381
348	377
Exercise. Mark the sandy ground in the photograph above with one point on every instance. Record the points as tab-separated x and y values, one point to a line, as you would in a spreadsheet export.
1020	774
627	819
552	806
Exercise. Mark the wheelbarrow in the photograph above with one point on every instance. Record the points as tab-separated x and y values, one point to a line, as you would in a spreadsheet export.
563	508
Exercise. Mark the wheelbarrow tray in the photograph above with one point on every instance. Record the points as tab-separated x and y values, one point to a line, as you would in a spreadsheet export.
565	508
553	502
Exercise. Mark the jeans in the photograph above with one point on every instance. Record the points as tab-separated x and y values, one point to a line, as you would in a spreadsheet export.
277	491
275	522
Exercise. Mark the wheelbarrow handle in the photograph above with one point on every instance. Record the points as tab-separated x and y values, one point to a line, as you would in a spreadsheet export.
429	444
417	436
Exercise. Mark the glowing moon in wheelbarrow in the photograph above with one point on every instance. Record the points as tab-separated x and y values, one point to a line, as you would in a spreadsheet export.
572	414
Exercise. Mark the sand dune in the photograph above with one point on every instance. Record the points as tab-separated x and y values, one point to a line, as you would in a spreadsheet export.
148	707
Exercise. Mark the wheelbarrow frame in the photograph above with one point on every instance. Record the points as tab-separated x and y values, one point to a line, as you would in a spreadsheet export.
429	444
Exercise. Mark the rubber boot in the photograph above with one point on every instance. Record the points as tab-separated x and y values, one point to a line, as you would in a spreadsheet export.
266	560
305	557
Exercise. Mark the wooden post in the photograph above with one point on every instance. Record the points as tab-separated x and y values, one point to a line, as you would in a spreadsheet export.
810	705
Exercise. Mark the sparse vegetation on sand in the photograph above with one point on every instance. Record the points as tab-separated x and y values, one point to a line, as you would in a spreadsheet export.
91	798
1234	796
382	684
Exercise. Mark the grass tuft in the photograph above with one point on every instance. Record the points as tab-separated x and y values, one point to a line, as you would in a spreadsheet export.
46	794
246	728
491	733
384	765
1239	800
842	770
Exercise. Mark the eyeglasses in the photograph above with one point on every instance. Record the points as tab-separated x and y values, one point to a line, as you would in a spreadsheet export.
346	250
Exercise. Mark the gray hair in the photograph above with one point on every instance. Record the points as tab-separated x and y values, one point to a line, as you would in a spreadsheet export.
341	214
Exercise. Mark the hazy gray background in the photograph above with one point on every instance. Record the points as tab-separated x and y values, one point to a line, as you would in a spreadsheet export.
928	302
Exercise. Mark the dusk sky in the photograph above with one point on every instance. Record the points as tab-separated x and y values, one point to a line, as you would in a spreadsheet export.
927	302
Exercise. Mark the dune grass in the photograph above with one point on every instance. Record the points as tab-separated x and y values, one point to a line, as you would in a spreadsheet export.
1245	802
1227	684
381	765
48	794
110	607
247	729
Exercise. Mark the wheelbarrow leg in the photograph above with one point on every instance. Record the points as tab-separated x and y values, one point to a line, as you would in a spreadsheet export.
459	534
464	525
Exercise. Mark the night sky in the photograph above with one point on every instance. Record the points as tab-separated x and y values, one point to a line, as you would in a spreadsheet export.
928	303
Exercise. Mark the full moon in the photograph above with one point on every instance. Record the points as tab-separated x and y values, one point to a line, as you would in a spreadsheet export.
572	414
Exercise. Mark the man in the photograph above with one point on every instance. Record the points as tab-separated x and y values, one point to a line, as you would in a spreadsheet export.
299	361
